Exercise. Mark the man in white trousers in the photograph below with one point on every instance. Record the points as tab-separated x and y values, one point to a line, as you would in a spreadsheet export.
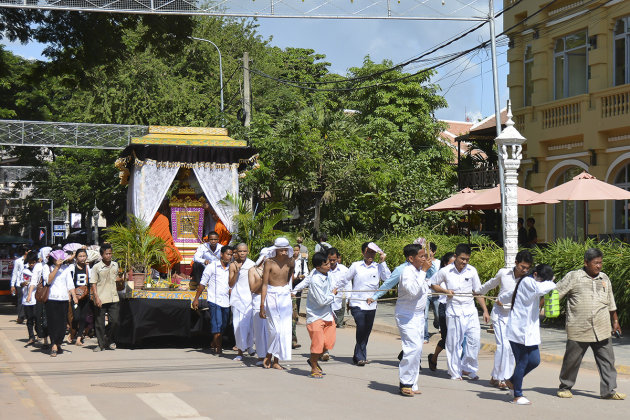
241	300
506	279
460	281
412	299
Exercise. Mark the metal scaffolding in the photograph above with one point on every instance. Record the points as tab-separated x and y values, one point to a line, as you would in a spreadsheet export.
311	9
63	134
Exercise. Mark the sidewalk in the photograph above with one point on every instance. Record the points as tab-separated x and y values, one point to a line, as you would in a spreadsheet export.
551	349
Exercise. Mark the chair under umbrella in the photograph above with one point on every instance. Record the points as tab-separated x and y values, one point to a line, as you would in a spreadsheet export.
585	187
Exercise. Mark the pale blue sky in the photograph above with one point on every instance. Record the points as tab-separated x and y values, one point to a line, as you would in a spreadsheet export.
466	83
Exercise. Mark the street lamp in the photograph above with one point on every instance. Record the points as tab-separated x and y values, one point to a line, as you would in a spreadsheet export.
220	72
510	145
95	215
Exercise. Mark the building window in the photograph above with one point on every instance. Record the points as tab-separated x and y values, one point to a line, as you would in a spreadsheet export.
569	215
622	215
570	65
622	51
528	86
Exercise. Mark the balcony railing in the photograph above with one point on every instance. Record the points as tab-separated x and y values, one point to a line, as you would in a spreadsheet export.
560	115
478	178
615	104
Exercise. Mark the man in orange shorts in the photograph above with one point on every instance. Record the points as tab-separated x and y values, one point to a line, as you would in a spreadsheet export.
320	321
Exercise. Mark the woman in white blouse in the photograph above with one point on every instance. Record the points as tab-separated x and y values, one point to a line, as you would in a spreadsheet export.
61	288
523	327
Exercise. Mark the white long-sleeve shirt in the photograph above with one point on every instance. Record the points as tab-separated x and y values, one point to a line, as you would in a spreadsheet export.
16	275
204	253
412	290
464	282
523	325
216	279
339	282
320	298
506	280
365	277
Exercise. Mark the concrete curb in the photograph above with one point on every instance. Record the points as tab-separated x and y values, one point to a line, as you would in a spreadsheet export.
490	346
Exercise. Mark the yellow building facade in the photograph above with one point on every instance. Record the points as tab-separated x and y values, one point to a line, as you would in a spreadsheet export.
569	83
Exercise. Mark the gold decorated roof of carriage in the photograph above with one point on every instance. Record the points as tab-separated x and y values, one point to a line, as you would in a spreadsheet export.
188	136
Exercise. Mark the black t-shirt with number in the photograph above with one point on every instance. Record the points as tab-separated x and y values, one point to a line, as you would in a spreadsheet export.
80	276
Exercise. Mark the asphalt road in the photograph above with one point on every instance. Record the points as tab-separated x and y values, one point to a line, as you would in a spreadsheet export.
189	383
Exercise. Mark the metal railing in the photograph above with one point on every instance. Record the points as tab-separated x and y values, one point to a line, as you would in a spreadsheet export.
64	134
478	178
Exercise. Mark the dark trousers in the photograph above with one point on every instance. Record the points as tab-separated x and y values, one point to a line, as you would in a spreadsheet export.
29	314
364	321
604	358
526	358
41	324
20	307
57	315
106	336
443	325
79	317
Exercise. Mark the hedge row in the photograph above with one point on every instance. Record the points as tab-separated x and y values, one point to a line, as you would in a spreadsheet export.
563	255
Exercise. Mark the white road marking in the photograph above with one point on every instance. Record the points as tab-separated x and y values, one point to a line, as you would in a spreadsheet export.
170	406
74	407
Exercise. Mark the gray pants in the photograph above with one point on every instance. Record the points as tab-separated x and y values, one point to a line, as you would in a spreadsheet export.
339	315
20	308
604	358
106	335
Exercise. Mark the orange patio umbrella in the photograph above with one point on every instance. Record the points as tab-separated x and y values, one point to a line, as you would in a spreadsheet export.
491	199
585	187
455	202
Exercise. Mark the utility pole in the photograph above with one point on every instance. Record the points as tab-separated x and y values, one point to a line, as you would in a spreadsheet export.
497	114
247	101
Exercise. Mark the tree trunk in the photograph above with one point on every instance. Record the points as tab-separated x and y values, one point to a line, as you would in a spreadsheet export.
318	207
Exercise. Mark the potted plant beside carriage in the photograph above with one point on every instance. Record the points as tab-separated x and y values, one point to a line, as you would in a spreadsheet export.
136	250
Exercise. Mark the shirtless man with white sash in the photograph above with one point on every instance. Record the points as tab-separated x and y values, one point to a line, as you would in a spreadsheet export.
276	304
259	324
241	300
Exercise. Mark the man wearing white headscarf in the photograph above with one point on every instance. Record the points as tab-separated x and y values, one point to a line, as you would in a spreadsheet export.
276	304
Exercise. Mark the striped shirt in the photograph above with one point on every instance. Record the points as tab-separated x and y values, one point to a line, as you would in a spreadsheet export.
589	303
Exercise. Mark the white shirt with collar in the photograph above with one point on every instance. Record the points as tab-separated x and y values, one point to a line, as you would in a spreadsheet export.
204	253
506	280
365	277
16	276
523	325
339	282
216	279
61	284
412	290
465	281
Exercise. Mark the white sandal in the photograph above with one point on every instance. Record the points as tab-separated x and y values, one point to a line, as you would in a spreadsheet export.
521	401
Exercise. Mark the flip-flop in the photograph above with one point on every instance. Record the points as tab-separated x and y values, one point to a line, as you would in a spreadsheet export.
316	375
238	358
318	366
407	392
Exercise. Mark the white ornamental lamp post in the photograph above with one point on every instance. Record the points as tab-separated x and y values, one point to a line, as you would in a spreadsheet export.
95	216
510	146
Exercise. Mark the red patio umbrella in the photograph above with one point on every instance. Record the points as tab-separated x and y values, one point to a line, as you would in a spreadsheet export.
585	187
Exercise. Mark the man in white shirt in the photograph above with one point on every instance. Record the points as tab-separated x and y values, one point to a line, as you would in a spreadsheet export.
206	253
16	279
412	299
506	279
365	275
216	279
241	300
461	281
